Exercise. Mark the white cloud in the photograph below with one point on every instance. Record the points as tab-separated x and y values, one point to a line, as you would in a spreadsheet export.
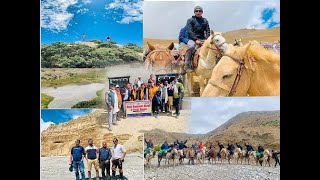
210	113
82	11
132	10
164	20
44	125
87	1
54	15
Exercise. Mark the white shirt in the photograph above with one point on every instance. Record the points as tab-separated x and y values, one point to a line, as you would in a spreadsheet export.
126	96
116	104
139	83
118	151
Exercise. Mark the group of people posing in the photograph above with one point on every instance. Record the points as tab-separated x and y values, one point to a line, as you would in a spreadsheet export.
162	94
102	157
197	147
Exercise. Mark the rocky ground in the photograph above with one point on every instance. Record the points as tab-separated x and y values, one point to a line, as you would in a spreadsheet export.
56	167
211	171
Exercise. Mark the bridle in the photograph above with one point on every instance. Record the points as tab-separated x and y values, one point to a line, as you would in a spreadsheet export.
233	88
217	47
157	51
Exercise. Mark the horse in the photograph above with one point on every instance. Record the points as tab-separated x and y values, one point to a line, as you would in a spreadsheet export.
265	158
150	153
161	59
201	155
172	155
229	156
239	154
209	54
248	70
212	155
223	154
252	156
162	155
182	154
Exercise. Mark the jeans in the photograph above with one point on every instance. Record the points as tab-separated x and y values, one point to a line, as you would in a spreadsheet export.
112	118
164	105
78	165
105	166
176	103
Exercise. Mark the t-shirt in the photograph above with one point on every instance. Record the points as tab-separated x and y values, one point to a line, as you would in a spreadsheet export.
91	152
118	151
77	152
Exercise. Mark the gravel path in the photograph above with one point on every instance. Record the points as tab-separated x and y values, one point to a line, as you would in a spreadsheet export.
69	95
211	171
57	168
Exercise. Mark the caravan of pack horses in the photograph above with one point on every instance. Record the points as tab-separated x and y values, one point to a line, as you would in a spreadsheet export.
179	154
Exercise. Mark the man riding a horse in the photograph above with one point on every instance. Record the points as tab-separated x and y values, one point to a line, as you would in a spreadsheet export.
198	31
220	148
249	148
230	148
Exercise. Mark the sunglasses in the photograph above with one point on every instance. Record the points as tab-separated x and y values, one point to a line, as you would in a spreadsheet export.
198	11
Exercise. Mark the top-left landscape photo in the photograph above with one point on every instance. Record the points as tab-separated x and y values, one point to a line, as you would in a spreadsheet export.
79	40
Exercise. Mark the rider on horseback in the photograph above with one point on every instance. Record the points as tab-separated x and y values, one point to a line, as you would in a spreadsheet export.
239	146
181	144
198	32
220	148
260	151
230	148
249	148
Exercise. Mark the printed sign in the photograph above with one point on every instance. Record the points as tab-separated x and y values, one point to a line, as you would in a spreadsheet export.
137	108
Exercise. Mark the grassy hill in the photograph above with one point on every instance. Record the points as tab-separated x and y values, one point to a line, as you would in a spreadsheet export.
93	54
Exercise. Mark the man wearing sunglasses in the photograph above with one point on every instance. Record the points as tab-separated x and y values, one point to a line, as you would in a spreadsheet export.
118	154
198	32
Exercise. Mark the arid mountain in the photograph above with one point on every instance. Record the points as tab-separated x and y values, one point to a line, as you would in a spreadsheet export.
256	127
58	139
246	35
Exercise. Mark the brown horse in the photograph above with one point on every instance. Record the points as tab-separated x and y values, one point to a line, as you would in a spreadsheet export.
182	154
238	154
162	60
223	154
248	70
212	154
173	155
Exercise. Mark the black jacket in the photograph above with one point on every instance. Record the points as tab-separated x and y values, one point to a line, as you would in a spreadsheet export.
198	28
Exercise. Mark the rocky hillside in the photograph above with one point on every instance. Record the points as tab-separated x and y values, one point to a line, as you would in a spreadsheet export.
58	139
256	127
246	35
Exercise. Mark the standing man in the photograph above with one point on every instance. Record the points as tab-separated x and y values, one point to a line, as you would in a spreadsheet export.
119	100
76	160
92	158
125	92
104	160
118	152
139	82
112	102
177	90
198	32
164	92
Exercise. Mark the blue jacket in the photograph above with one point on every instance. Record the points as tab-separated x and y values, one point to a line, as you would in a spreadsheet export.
183	35
165	146
109	98
104	154
149	145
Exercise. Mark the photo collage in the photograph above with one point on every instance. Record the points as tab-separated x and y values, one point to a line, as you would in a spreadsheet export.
156	89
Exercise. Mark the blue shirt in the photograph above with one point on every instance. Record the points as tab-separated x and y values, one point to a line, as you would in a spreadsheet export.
105	154
77	152
183	35
91	152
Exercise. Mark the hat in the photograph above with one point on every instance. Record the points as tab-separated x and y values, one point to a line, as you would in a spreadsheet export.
198	7
117	85
111	85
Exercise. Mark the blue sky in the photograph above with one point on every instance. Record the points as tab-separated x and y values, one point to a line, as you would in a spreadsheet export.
67	20
210	113
223	16
56	116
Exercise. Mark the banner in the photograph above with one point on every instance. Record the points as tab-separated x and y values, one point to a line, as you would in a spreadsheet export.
138	108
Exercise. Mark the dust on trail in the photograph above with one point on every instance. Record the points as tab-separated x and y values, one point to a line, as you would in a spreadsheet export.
69	95
57	167
211	171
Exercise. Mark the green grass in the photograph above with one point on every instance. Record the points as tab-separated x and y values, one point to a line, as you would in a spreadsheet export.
272	123
94	76
97	102
45	100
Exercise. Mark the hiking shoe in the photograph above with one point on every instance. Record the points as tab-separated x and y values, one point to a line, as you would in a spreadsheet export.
110	128
177	117
157	116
